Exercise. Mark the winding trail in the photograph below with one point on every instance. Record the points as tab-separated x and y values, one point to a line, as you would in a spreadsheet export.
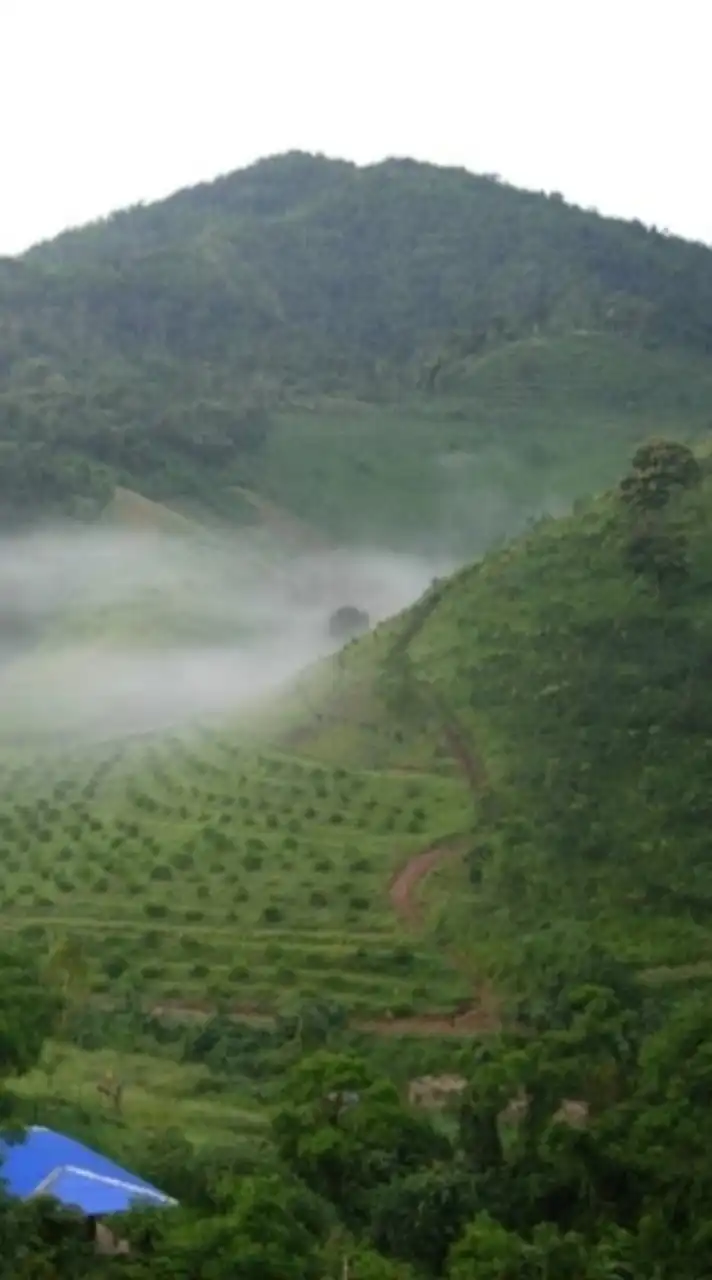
405	883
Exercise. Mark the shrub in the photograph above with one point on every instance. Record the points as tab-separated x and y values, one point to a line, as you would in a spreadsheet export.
155	910
32	932
272	915
360	864
161	872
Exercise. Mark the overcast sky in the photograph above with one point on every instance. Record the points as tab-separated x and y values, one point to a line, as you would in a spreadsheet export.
108	102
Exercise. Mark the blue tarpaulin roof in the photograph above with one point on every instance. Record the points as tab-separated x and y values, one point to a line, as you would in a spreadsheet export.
49	1164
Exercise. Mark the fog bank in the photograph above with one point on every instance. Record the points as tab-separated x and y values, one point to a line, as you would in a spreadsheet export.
106	633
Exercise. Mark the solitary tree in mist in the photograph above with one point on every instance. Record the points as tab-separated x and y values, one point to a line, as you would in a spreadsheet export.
347	622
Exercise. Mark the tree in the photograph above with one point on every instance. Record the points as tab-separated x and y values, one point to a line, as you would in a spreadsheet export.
659	554
658	469
344	1132
265	1233
489	1251
30	1010
418	1217
347	622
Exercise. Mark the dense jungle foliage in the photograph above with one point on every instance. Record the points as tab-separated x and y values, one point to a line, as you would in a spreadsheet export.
577	1144
170	347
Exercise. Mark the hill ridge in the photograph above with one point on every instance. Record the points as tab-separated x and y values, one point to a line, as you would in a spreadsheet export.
191	348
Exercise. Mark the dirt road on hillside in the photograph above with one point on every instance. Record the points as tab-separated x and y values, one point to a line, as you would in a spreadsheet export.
404	885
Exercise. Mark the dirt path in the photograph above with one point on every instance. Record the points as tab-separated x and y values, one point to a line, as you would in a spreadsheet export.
464	1022
404	885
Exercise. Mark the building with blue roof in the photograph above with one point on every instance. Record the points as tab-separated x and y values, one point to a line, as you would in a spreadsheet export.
45	1163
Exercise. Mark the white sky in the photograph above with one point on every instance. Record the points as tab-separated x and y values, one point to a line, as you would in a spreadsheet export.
107	102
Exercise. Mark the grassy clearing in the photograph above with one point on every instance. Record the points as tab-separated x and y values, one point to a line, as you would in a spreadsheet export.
158	1094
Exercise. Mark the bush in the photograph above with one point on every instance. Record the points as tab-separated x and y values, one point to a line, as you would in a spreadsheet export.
360	864
161	872
272	915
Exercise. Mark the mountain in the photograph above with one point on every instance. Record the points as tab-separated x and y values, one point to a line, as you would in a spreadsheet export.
379	351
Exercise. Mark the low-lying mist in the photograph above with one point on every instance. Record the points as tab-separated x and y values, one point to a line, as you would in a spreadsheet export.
106	633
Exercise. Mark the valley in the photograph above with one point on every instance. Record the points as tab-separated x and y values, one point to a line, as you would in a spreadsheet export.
356	727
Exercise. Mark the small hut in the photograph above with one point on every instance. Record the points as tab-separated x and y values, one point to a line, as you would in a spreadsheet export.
41	1162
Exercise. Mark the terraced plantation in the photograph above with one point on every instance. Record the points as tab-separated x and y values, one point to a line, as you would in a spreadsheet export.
198	871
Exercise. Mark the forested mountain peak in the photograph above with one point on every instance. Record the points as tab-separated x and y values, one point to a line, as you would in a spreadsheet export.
149	349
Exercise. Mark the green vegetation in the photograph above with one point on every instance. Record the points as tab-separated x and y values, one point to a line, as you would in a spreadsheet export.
385	353
196	869
471	845
578	1149
572	666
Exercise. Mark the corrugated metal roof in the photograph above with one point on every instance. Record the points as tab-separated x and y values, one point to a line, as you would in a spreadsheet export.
47	1163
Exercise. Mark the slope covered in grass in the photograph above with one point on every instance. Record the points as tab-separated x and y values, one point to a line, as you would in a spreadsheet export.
574	665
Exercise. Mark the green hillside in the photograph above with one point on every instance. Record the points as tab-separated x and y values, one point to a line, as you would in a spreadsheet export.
546	709
572	666
387	352
466	853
